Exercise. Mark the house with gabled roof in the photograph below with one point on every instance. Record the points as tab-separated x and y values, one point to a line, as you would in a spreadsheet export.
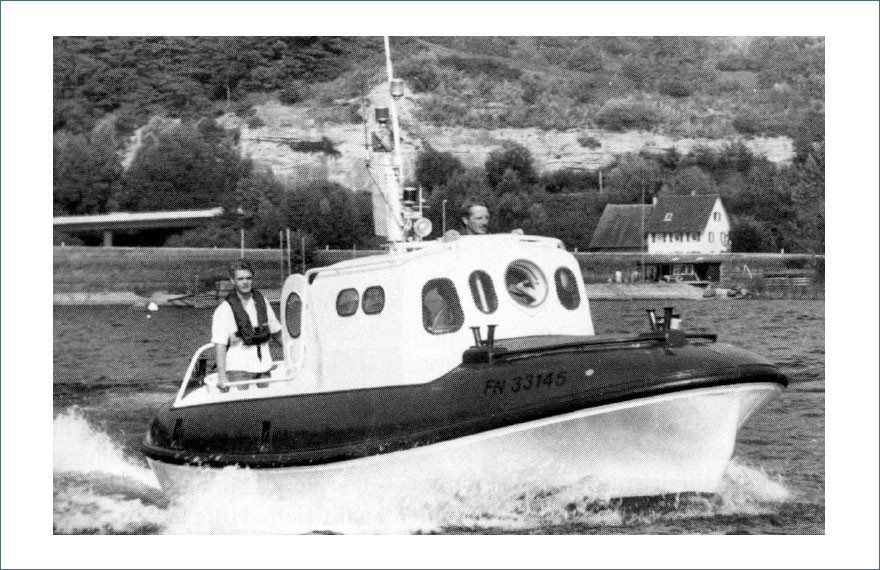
675	232
688	224
672	225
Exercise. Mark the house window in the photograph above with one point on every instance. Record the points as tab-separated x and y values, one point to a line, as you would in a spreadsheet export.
724	238
653	238
711	237
667	217
663	237
441	310
696	236
716	216
374	300
483	292
347	302
677	236
567	289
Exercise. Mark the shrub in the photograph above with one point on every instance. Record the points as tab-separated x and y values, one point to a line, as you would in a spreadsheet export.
589	142
627	116
512	156
747	123
585	58
420	74
293	93
677	88
481	65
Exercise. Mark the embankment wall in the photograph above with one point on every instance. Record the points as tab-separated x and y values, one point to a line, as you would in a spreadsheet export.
145	270
189	270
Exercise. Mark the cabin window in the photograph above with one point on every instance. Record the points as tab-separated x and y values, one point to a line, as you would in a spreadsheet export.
567	289
441	309
667	217
374	300
711	237
293	315
483	292
347	302
716	216
526	283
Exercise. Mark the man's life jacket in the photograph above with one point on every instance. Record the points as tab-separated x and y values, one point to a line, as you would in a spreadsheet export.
246	331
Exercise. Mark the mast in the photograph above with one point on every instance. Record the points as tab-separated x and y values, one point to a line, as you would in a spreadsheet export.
395	125
393	212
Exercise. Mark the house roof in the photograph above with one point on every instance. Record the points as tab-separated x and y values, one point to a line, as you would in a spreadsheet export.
689	213
620	227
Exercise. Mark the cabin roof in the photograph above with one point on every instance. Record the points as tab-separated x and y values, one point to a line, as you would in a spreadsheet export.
405	253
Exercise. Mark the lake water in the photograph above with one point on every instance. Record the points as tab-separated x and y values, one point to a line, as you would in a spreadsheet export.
114	366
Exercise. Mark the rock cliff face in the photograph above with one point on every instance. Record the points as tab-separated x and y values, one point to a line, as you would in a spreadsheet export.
551	150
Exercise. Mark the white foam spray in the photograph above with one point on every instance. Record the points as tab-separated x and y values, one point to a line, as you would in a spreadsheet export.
99	488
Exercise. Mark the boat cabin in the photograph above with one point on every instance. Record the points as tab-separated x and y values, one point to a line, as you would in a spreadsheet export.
407	317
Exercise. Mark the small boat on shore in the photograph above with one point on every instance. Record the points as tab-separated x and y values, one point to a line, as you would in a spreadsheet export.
451	352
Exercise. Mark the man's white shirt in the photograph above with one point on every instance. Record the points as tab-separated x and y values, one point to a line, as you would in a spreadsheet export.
240	356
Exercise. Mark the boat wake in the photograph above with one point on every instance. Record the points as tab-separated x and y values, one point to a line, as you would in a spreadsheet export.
100	487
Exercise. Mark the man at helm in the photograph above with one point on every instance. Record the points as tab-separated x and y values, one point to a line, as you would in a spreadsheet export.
241	329
474	218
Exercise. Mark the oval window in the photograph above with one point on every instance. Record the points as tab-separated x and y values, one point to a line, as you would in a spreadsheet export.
483	292
567	289
525	283
347	302
293	315
374	300
441	310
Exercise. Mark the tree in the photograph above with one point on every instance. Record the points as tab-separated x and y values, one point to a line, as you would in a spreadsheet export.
808	196
177	169
631	176
512	156
521	209
748	235
435	168
327	211
690	181
86	172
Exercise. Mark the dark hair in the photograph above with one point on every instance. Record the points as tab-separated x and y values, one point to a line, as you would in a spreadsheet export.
240	265
465	210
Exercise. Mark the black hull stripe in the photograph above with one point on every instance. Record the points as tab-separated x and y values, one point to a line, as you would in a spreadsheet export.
377	446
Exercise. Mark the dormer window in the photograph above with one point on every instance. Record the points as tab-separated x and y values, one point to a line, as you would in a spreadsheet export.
667	217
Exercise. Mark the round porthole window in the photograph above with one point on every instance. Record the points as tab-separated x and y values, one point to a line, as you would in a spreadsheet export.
525	283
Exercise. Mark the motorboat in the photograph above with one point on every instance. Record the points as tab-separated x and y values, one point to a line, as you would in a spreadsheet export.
452	351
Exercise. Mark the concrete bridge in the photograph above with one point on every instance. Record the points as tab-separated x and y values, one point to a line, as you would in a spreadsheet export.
131	221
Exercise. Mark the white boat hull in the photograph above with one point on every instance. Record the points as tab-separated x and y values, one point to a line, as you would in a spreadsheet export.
672	443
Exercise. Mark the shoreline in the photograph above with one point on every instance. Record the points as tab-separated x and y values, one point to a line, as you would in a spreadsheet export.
595	292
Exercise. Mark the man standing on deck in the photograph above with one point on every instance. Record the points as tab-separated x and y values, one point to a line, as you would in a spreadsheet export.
241	328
